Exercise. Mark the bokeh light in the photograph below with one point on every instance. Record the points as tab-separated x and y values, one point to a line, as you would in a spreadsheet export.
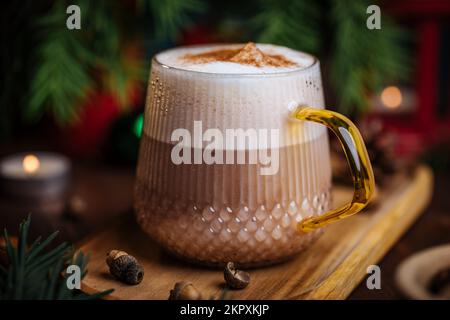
391	97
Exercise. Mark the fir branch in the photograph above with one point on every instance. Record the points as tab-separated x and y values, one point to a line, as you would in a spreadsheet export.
32	274
66	59
121	73
293	23
105	49
363	59
169	16
61	79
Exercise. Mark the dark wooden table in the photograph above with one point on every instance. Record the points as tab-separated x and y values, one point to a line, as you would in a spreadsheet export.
431	229
99	193
102	192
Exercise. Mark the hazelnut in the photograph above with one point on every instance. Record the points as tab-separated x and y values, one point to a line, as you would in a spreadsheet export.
234	278
124	267
184	291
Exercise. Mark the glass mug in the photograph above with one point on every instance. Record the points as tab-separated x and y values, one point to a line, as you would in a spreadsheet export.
215	213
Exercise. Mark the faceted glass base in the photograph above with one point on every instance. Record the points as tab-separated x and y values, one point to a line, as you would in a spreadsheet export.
216	235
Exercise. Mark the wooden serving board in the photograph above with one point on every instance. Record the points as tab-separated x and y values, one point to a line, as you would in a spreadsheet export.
330	269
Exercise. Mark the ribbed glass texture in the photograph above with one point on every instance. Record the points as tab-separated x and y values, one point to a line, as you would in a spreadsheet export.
230	212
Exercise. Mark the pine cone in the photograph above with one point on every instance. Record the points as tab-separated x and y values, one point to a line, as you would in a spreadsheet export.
381	149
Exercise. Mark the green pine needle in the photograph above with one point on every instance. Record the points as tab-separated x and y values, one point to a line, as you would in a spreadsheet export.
33	274
67	61
363	59
292	23
360	60
169	16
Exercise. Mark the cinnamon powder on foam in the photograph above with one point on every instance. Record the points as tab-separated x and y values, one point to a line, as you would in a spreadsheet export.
249	55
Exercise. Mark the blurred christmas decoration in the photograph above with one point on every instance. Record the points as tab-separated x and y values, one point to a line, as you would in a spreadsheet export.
138	125
89	131
33	272
422	119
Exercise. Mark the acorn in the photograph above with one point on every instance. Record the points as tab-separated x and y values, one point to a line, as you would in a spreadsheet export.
184	291
124	267
234	278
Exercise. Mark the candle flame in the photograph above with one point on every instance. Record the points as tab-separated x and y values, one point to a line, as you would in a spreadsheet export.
391	97
30	164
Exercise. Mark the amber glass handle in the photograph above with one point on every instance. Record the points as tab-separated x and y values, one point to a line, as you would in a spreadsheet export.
357	157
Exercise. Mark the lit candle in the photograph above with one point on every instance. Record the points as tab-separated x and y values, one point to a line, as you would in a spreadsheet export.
31	164
35	179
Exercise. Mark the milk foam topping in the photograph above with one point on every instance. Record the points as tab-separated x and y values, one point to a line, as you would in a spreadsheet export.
236	59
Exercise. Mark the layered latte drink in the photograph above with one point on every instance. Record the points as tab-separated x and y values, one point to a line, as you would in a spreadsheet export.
224	173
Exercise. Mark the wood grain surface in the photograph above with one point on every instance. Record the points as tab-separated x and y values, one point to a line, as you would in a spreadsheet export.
330	269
